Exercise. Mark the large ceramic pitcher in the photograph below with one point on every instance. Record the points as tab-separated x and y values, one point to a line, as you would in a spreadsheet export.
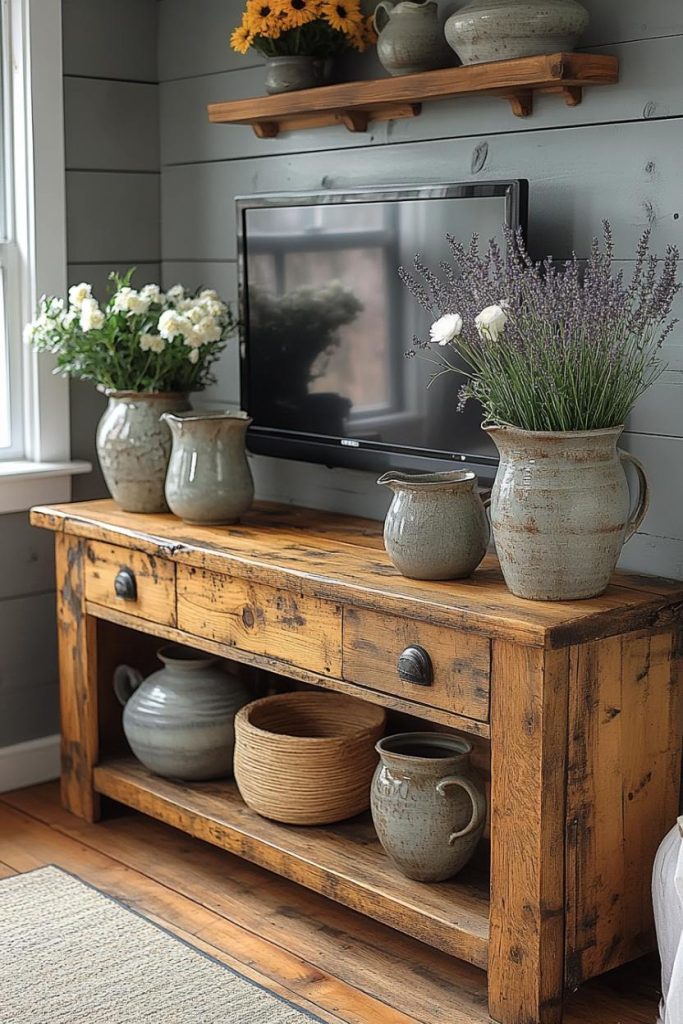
560	510
410	38
180	721
436	527
428	804
209	480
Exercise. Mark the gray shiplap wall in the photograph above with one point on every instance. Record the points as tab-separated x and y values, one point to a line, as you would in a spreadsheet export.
618	155
112	160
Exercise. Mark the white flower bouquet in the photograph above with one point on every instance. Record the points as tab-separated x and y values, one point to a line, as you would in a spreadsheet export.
143	341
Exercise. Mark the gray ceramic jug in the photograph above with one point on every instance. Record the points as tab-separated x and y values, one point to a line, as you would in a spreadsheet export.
180	721
428	804
410	38
208	479
436	527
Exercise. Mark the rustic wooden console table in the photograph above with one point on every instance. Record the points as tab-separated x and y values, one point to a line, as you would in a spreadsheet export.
576	709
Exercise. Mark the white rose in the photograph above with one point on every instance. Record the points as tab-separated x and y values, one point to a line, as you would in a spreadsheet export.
127	300
78	293
152	343
154	293
92	317
175	294
193	355
446	328
208	293
491	322
172	324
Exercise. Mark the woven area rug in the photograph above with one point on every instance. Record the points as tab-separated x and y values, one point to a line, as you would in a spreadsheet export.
69	954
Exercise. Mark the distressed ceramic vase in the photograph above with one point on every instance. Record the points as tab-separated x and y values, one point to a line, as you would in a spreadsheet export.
180	721
291	73
560	510
486	30
410	38
134	445
436	527
208	480
428	804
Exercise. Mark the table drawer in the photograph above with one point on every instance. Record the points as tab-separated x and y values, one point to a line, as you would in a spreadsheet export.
131	582
278	624
460	662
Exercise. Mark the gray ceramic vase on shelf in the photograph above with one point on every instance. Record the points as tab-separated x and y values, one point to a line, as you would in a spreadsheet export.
409	37
209	480
428	804
436	527
560	510
180	721
134	445
291	73
487	30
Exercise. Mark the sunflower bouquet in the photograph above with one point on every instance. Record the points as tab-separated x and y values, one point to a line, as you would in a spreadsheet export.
310	28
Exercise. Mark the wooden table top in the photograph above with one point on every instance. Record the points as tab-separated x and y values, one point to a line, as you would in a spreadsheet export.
342	558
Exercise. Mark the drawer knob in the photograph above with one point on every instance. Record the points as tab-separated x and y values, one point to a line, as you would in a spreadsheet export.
415	666
125	585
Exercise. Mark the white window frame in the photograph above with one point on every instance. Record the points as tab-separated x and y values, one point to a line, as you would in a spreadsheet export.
38	219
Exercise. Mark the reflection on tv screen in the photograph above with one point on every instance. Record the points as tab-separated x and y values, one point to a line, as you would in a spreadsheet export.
329	321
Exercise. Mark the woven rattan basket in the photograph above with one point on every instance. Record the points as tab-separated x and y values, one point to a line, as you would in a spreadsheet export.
307	758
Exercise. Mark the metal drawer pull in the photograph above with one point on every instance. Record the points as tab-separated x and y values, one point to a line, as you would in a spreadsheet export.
415	666
125	585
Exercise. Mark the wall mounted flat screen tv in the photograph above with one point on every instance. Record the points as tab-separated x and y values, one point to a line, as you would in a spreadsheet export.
326	323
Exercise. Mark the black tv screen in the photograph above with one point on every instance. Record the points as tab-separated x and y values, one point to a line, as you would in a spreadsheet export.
326	323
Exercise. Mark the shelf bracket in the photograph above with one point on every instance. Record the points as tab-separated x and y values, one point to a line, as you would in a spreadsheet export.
355	120
573	94
266	129
522	102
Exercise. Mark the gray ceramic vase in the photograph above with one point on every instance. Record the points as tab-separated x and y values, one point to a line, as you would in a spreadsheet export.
428	804
180	721
134	445
289	74
410	38
209	480
486	30
560	510
436	527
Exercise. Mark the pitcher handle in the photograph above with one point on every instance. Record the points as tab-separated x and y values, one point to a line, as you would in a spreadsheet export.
126	682
638	514
478	804
385	7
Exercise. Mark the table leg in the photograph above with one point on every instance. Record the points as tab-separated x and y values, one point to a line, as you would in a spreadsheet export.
528	770
77	681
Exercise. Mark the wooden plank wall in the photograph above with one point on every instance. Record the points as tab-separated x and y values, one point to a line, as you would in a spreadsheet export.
618	155
111	114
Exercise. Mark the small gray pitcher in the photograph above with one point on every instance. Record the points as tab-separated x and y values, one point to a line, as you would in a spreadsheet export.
436	527
428	804
208	479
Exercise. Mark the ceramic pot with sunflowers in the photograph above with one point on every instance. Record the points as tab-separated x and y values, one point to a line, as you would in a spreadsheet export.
301	38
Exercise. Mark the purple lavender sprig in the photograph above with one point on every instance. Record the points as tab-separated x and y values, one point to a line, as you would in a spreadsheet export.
578	347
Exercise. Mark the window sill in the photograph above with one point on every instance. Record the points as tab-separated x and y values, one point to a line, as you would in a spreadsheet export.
24	483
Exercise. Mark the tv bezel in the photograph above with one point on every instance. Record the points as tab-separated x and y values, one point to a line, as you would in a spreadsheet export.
354	453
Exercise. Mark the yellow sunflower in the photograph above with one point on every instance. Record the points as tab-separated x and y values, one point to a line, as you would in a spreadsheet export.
299	12
364	35
263	18
241	38
343	15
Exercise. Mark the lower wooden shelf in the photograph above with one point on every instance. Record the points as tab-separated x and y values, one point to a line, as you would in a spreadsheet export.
344	862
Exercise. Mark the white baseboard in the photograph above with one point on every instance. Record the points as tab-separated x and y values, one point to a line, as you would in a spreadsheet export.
27	764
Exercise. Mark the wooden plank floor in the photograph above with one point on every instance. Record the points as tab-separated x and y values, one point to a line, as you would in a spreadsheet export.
327	959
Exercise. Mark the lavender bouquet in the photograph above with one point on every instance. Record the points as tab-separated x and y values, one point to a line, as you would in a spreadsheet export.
548	346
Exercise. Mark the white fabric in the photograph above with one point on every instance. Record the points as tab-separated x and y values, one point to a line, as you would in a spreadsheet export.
667	897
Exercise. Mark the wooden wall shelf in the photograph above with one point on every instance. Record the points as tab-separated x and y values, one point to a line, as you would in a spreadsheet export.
356	104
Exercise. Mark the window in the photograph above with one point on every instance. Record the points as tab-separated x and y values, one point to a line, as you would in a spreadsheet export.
34	412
